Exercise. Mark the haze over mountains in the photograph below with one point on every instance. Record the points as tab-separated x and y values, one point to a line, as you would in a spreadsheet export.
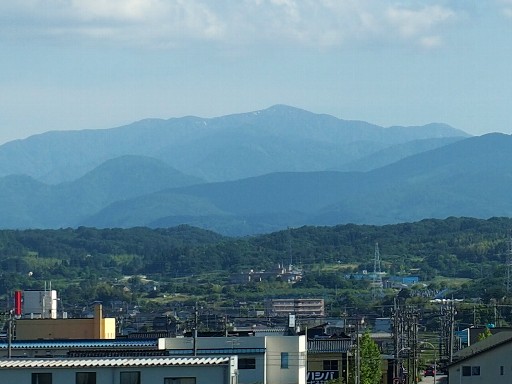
251	173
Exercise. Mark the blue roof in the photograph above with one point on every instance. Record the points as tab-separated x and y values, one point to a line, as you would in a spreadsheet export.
59	344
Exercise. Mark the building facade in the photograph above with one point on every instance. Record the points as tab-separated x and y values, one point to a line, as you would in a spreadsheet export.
487	361
53	328
298	307
154	370
264	360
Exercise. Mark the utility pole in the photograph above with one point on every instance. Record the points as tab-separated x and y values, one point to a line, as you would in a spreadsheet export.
405	334
195	330
452	330
509	262
358	355
9	335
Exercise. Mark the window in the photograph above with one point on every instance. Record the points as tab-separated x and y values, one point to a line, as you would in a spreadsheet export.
330	365
502	370
86	378
284	359
246	363
41	378
130	377
180	380
470	371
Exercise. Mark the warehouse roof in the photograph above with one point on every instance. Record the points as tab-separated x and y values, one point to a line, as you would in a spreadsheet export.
110	362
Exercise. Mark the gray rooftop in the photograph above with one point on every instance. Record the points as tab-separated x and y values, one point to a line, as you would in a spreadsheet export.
24	363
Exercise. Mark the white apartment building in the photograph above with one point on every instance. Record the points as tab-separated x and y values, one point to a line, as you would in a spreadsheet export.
298	307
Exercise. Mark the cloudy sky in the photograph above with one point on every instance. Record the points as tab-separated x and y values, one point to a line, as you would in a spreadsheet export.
78	64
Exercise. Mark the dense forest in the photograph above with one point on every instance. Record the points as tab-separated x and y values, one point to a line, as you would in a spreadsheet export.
473	250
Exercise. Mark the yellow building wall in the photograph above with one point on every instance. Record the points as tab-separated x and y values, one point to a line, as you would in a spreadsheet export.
316	362
96	328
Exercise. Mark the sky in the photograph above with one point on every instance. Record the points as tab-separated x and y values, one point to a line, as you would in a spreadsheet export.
91	64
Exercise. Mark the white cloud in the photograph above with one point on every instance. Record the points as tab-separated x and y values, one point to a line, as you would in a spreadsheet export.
430	41
506	8
417	24
132	21
174	22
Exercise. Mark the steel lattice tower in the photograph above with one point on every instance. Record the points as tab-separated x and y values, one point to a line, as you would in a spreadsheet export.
377	286
509	261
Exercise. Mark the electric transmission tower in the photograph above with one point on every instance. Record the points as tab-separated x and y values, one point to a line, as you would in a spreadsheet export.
377	286
509	261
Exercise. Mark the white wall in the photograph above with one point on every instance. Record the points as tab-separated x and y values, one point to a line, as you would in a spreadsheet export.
149	375
268	365
490	364
40	303
296	346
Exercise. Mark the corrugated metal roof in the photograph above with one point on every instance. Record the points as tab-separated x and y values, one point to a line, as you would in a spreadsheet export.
60	344
110	362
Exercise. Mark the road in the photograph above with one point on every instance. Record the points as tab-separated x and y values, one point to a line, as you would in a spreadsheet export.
440	379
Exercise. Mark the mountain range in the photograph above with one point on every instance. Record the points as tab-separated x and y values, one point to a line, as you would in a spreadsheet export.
252	173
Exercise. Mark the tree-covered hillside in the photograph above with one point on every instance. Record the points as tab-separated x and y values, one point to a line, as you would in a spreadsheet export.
454	248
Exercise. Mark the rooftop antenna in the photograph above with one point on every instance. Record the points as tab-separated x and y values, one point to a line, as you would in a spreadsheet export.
377	286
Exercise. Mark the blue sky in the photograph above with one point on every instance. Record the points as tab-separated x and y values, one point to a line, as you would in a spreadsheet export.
80	64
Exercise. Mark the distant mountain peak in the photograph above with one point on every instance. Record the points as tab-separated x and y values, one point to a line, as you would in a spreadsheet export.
282	110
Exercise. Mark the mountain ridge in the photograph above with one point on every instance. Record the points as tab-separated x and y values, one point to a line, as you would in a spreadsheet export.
197	146
251	173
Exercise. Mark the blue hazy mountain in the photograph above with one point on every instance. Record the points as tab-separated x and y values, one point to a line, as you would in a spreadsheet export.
251	173
277	139
471	177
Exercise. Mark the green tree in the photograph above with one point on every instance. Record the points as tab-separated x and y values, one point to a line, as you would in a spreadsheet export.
485	334
370	363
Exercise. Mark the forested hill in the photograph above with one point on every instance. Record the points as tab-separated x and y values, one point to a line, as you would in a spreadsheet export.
456	247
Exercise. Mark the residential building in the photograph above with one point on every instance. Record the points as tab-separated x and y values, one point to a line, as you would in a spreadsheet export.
329	358
290	274
298	307
487	361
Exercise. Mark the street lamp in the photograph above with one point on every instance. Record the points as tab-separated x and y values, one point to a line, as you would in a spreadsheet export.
435	357
400	367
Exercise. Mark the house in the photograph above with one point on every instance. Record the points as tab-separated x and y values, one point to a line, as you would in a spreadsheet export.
329	358
127	370
487	361
290	274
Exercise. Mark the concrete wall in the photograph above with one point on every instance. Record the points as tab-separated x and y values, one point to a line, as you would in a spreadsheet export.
296	346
